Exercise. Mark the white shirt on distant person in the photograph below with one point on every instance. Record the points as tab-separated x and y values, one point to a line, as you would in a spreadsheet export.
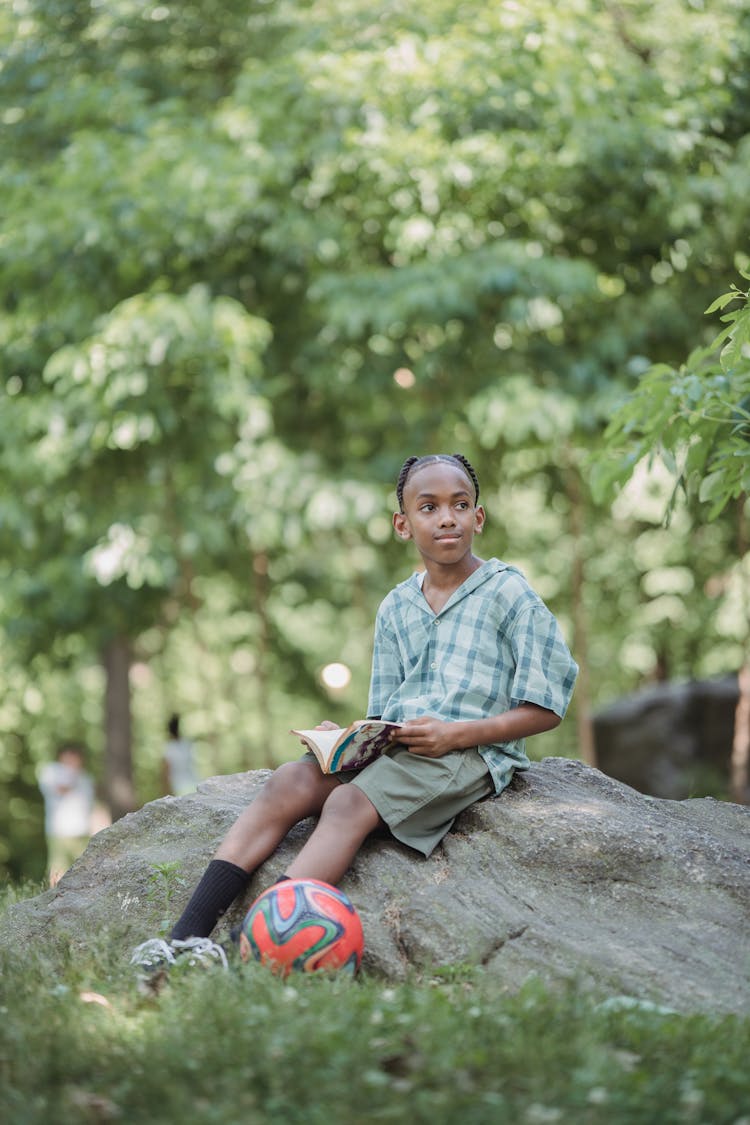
182	773
68	800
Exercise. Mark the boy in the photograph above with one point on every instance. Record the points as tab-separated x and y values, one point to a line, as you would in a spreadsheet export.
467	658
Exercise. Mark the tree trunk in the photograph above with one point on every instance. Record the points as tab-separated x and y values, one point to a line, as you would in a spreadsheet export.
739	787
118	755
739	769
584	722
263	711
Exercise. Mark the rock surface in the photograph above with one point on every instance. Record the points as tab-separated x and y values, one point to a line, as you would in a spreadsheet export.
568	875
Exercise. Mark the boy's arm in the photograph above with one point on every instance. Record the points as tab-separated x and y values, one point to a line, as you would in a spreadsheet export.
434	737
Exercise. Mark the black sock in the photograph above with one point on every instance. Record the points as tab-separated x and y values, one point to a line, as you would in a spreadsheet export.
237	930
219	886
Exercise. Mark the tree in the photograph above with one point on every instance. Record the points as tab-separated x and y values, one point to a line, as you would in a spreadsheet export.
695	420
125	498
463	226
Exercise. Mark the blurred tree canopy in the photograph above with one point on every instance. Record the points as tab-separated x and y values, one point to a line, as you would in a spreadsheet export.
252	256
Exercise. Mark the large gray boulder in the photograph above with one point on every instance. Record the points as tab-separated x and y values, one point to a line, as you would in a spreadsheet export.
670	739
568	875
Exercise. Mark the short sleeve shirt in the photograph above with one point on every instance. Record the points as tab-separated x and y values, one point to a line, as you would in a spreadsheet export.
180	759
67	810
493	646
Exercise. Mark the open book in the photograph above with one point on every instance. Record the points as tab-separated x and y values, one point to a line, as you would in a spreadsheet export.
348	748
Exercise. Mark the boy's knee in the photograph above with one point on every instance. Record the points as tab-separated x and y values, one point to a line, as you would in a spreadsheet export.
350	803
286	773
292	778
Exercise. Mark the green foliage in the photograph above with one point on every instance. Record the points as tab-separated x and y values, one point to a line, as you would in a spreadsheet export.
163	883
253	255
693	418
78	1042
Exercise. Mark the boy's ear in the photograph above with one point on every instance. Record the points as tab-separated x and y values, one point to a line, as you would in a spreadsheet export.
479	517
401	524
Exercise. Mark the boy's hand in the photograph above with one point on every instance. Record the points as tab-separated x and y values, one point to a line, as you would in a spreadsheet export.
431	738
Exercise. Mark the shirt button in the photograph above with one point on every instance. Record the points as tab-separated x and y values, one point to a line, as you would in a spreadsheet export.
433	665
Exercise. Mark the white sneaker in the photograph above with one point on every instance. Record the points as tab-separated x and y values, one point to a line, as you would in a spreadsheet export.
152	954
156	953
198	951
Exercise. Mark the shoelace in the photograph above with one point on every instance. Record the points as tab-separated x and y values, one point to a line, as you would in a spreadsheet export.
152	952
200	948
157	951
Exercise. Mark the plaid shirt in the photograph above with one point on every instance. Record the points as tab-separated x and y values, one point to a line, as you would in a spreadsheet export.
493	646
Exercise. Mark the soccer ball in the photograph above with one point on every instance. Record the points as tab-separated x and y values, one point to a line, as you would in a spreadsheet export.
303	924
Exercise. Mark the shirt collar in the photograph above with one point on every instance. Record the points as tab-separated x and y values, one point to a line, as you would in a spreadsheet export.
413	586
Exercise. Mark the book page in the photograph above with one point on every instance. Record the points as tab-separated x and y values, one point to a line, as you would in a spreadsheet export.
324	739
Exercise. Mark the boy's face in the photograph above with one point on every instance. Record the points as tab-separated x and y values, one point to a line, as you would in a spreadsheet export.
439	513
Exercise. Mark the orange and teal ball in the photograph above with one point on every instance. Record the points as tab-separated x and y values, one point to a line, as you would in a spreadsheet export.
303	924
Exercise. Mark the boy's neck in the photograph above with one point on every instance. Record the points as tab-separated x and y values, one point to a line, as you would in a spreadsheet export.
442	581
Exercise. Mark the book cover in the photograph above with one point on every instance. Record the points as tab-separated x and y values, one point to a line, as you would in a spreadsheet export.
349	748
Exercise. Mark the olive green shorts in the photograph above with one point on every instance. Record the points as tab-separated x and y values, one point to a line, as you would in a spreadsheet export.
419	798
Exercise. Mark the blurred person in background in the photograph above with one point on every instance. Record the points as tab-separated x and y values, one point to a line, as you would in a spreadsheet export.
68	792
179	770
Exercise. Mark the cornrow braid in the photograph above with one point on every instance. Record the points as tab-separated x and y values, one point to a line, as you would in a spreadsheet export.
414	462
470	470
402	478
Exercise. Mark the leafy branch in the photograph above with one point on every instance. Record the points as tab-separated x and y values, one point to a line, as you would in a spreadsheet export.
694	418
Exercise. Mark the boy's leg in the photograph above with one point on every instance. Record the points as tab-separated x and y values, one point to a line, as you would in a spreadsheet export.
294	791
346	819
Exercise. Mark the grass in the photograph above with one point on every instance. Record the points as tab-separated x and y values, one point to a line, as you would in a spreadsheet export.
79	1044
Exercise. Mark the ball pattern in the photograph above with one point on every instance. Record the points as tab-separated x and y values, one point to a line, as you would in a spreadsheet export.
305	925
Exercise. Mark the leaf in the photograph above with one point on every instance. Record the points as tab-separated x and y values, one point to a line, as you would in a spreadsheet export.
722	301
711	487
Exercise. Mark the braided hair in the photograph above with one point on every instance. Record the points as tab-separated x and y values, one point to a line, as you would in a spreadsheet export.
417	462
